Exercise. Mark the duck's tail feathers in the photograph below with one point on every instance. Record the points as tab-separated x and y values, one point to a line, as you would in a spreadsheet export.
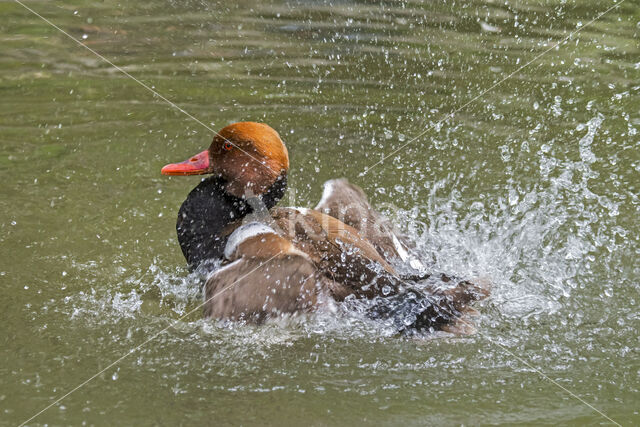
425	307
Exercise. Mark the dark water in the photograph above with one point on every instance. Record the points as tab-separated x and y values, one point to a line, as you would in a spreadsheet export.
535	184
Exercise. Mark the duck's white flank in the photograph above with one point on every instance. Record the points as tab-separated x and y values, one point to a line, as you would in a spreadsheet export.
243	233
405	256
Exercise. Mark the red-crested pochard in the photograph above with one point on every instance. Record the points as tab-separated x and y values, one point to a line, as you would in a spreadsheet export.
287	260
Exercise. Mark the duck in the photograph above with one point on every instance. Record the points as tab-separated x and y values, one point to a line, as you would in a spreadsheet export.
268	261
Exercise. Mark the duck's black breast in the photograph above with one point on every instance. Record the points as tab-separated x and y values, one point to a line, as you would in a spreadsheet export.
202	219
205	217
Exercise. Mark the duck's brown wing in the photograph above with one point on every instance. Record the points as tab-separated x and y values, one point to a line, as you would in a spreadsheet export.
266	278
348	203
339	252
354	267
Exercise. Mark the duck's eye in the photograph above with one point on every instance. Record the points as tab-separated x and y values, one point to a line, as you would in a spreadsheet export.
227	146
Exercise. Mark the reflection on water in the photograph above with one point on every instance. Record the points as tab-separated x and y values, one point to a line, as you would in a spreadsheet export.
535	185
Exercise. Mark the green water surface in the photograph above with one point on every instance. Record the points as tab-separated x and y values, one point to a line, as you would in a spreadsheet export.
534	183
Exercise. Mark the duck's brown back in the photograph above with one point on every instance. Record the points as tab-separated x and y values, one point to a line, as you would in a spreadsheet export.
339	252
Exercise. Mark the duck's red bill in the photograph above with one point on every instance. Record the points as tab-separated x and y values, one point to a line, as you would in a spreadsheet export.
196	165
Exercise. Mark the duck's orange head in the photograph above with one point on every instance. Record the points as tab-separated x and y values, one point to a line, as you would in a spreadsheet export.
249	156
